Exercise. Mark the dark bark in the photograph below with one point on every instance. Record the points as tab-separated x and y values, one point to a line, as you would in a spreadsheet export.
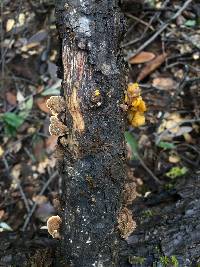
93	165
168	227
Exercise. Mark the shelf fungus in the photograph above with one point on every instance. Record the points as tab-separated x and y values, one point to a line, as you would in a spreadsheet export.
134	105
126	224
57	127
57	106
53	226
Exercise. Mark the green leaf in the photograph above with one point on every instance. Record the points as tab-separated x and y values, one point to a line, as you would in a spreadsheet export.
176	172
12	119
132	142
166	145
26	107
53	90
190	23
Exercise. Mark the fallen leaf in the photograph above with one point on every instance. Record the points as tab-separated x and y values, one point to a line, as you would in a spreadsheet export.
164	83
1	151
51	143
38	149
174	159
2	212
11	98
52	69
25	48
183	130
15	147
15	173
21	19
20	97
151	66
40	199
142	58
41	103
53	90
38	37
9	25
5	227
44	211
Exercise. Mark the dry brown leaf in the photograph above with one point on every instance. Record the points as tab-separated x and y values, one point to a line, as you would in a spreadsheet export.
41	103
151	66
164	83
11	98
142	58
50	143
2	212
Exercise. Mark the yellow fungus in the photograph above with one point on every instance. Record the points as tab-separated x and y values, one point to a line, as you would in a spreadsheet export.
138	104
135	105
138	119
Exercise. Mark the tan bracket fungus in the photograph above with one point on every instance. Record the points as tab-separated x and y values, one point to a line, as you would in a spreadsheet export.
53	226
57	105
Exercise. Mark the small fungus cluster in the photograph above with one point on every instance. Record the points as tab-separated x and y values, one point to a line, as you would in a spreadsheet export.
57	105
135	105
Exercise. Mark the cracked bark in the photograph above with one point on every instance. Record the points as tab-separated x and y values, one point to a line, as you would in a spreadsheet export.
93	162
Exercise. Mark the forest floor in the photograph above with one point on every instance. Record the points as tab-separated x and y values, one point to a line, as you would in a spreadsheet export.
160	153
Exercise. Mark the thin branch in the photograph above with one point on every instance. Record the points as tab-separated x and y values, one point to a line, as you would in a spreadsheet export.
148	170
140	20
162	28
51	178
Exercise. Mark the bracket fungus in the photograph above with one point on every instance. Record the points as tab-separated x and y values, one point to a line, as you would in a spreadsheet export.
53	226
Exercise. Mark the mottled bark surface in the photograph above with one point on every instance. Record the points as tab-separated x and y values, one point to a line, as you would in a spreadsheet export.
168	227
92	169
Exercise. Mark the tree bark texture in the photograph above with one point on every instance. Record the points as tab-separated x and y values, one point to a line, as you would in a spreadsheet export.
93	162
168	227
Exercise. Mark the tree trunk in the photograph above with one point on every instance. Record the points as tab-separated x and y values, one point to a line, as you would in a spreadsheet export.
167	232
93	162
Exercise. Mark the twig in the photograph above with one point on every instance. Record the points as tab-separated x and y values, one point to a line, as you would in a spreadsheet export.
162	28
24	197
140	20
51	178
148	170
159	137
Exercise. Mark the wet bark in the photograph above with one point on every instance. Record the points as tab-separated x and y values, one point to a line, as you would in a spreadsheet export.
168	226
93	162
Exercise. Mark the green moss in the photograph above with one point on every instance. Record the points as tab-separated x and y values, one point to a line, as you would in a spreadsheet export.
169	261
136	260
147	214
164	260
174	261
